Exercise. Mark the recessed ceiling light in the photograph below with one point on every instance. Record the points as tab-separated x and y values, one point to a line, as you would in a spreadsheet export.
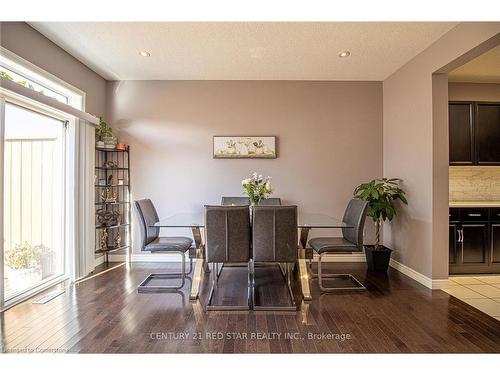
144	54
344	54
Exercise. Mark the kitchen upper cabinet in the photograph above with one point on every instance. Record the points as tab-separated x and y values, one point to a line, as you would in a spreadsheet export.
474	133
460	133
487	133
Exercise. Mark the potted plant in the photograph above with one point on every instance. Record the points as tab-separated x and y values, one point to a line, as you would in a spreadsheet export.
381	195
23	264
104	135
257	188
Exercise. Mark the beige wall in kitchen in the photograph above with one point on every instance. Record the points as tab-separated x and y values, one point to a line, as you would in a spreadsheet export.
329	139
26	42
488	92
416	146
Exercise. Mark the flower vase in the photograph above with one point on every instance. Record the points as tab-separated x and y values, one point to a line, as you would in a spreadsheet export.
251	209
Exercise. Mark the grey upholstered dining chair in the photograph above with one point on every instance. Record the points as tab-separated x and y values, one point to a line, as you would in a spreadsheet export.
152	242
350	242
274	240
270	202
235	201
227	233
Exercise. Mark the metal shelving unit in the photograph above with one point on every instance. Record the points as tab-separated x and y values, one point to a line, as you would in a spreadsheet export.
107	182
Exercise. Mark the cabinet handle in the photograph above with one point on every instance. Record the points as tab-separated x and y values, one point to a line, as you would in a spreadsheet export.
462	231
475	215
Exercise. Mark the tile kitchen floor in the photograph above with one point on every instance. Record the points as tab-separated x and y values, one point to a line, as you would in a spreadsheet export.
482	292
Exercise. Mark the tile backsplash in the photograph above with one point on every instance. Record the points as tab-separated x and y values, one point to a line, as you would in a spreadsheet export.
474	183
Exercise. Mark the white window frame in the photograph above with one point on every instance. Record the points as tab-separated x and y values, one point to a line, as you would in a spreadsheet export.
76	99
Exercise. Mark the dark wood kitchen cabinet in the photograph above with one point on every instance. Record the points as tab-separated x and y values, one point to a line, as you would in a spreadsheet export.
474	243
461	133
487	133
474	240
453	243
474	133
495	243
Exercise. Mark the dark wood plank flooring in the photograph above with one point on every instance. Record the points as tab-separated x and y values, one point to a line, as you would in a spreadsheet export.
104	314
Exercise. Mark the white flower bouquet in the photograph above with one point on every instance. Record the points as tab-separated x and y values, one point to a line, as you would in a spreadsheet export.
257	187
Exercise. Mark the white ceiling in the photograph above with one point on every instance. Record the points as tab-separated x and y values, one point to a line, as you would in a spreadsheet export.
244	50
483	69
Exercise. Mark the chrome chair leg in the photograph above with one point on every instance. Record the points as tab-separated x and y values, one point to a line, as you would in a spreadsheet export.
145	288
321	276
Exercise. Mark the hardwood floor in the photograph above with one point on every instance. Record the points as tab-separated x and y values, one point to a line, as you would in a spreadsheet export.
104	314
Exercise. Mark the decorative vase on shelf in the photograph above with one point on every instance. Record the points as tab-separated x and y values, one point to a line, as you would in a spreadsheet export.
109	142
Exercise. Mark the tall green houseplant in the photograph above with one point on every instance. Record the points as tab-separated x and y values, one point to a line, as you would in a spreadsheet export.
381	195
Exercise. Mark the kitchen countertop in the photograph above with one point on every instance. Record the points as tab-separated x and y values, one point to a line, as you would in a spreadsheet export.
475	204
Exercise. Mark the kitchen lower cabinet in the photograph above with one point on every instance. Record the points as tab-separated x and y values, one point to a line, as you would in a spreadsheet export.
453	243
474	241
495	243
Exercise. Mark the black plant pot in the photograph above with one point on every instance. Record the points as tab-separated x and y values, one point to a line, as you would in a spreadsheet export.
377	259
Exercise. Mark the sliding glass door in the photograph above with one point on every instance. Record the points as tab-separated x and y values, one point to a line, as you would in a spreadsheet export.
34	196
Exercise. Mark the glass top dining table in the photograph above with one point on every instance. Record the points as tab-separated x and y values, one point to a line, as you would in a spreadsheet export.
305	222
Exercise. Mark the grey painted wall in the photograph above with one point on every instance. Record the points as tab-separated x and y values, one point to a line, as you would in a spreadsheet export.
26	42
329	139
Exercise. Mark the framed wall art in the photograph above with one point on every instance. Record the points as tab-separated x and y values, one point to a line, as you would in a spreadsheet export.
244	147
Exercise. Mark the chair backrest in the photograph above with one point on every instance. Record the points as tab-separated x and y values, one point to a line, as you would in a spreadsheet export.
227	233
147	217
355	215
274	233
270	202
235	201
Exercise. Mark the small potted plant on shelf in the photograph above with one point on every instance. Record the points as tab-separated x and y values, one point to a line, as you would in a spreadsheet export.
381	195
257	188
104	135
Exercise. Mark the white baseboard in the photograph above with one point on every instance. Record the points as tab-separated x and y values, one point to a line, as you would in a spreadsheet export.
417	276
111	258
117	257
99	261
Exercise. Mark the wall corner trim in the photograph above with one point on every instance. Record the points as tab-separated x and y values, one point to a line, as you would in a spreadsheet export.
417	276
